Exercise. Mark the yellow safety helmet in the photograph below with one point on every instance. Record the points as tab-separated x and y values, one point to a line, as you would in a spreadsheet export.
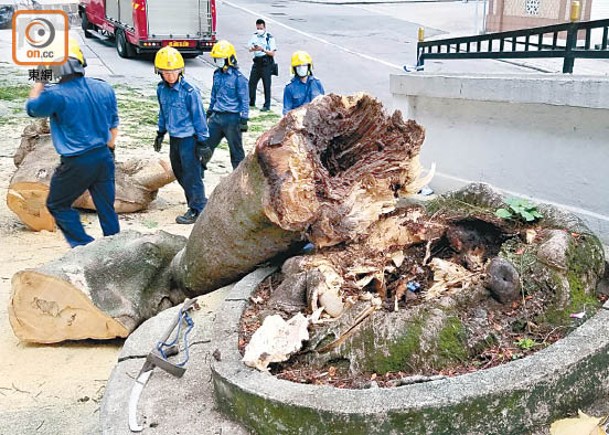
75	64
301	58
224	50
75	51
168	59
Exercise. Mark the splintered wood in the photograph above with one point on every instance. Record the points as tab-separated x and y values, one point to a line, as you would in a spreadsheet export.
325	174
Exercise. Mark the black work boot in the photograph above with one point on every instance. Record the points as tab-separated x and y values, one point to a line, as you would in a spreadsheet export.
190	217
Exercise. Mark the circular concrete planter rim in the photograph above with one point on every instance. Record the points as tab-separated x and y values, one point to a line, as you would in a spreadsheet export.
525	374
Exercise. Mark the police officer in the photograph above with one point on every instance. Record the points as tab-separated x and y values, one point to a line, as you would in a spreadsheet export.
181	114
262	44
84	126
303	87
229	105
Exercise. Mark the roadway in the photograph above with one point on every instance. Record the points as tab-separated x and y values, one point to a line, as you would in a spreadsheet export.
355	47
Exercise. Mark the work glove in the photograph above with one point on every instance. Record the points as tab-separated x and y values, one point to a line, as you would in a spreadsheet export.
158	142
243	124
209	113
204	153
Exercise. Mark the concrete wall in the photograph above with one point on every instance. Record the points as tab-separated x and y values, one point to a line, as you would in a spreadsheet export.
504	15
545	137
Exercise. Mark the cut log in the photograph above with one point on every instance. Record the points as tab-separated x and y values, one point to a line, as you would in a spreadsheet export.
29	186
102	290
324	174
137	181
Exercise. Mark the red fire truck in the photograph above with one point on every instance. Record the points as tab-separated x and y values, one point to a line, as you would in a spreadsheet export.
144	26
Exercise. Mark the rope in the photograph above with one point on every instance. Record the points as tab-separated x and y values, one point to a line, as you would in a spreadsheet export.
184	317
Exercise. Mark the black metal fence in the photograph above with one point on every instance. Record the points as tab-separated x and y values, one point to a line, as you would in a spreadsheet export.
558	41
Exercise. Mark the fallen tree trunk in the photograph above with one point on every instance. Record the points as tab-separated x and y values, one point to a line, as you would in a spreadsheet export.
102	290
324	174
137	181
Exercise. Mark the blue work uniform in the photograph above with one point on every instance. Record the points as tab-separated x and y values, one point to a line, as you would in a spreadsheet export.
229	104
296	93
181	115
82	112
262	67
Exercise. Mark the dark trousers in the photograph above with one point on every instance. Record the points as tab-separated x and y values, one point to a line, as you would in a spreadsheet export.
187	169
226	125
92	171
261	69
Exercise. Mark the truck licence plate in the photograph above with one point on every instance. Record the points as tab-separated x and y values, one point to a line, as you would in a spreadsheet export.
179	44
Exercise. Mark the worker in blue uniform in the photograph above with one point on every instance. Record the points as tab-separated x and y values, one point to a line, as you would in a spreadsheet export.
303	87
84	125
181	115
229	105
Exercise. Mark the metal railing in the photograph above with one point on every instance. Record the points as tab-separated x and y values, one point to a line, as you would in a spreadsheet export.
557	41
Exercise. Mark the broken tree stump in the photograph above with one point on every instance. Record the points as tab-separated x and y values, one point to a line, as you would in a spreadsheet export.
137	180
434	285
324	173
102	290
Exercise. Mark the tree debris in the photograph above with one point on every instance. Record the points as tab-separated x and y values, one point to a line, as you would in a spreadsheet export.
448	275
102	290
490	292
325	173
581	425
137	180
276	340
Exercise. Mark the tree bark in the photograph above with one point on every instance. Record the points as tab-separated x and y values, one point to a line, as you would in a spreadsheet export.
137	180
324	174
101	290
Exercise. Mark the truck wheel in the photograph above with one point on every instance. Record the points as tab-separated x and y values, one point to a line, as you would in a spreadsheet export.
85	24
123	47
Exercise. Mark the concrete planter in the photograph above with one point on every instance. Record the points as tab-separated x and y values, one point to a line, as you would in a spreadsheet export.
514	398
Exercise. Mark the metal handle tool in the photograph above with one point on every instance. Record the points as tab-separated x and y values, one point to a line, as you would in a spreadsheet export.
156	359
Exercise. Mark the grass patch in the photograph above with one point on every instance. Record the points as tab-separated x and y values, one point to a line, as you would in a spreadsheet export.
150	224
258	128
14	92
138	112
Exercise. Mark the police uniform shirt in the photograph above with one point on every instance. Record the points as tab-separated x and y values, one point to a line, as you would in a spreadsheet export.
260	40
